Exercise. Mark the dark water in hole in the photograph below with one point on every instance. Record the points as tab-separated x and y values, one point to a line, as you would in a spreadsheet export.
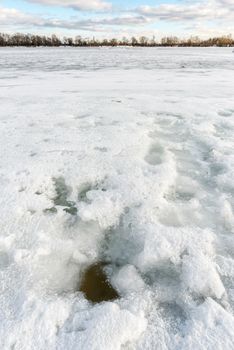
96	286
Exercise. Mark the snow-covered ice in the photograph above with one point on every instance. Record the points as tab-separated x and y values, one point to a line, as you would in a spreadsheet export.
126	157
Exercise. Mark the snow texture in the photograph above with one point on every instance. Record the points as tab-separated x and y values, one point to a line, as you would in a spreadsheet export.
124	156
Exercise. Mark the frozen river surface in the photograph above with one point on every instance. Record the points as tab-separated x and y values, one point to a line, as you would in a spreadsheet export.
123	158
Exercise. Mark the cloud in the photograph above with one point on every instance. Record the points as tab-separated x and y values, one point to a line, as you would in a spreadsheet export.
13	17
95	24
203	10
204	31
228	3
189	18
82	5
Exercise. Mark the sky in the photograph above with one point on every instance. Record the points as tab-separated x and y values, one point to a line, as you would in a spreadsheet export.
118	18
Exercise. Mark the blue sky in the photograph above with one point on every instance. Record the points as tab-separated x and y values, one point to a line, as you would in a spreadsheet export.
117	18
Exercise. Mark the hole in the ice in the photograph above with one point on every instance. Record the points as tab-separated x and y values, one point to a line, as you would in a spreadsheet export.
154	157
95	285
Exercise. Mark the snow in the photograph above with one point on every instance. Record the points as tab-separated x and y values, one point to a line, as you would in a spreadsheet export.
122	156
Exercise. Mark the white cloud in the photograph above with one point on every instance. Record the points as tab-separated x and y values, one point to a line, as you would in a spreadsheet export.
204	31
15	18
203	10
83	5
197	18
95	24
11	16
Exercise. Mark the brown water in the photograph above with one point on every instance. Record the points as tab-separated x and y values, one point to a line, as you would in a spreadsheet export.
95	285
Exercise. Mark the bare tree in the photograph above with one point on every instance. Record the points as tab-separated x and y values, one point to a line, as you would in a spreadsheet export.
29	40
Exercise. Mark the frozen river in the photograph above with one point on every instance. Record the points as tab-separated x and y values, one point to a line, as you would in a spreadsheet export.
117	199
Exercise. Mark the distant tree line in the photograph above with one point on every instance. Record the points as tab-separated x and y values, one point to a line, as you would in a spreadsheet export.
30	40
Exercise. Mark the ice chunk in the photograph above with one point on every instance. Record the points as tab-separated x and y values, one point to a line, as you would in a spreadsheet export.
128	280
105	327
200	276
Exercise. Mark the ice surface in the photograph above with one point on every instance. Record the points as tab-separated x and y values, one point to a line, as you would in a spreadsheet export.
124	158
